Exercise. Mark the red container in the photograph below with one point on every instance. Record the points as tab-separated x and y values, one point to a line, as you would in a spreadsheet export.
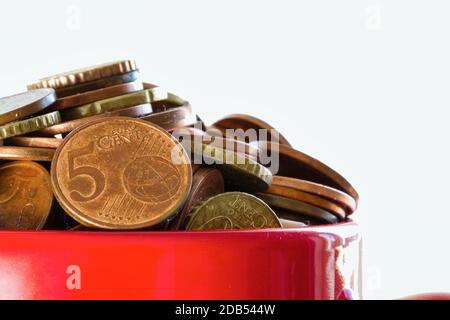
312	263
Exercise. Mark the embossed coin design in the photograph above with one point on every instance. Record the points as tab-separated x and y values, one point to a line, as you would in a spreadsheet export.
233	210
121	173
25	196
246	122
24	104
83	75
207	182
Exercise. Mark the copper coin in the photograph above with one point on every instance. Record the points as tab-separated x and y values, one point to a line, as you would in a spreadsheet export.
78	76
298	208
296	164
311	199
121	173
68	126
35	142
26	196
195	168
246	122
98	84
22	105
96	95
339	197
172	119
148	85
26	153
207	182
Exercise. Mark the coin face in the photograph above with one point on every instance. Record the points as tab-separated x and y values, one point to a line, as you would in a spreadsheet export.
26	196
121	173
21	105
207	182
233	210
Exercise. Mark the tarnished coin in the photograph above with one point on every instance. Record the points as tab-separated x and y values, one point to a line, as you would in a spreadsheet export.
121	173
25	196
26	153
233	210
98	84
312	199
337	196
68	126
172	119
246	122
24	104
112	104
96	95
83	75
296	164
22	127
34	142
207	182
241	172
298	208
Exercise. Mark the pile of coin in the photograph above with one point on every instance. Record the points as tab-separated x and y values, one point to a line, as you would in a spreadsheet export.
120	154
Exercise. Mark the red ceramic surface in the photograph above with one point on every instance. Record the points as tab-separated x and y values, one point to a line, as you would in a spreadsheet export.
313	263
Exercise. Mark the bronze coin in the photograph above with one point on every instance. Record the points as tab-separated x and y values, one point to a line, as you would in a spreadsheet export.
75	77
26	153
207	182
148	85
96	95
68	126
311	199
337	196
22	105
121	173
233	211
98	84
34	142
298	208
172	119
296	164
25	196
246	122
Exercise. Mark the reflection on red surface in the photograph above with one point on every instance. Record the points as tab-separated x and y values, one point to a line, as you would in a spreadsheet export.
312	263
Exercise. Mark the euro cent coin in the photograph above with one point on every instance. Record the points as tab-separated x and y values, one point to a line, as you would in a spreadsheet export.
121	174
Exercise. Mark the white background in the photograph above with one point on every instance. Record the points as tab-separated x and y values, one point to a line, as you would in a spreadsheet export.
361	85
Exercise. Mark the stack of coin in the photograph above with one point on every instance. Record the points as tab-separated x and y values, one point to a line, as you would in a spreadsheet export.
121	154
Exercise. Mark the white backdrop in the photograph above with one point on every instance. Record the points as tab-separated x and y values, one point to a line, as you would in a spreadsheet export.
362	85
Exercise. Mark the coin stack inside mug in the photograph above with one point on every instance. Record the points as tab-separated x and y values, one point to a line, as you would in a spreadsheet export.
120	154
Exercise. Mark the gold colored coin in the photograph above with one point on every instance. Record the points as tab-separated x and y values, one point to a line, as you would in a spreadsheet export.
78	76
112	104
22	127
24	104
233	210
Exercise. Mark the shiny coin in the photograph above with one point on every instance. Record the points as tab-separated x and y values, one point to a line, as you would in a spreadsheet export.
298	208
22	127
26	153
68	126
96	95
207	182
25	196
233	210
172	119
112	104
311	199
121	173
22	105
35	142
338	197
84	75
246	122
296	164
